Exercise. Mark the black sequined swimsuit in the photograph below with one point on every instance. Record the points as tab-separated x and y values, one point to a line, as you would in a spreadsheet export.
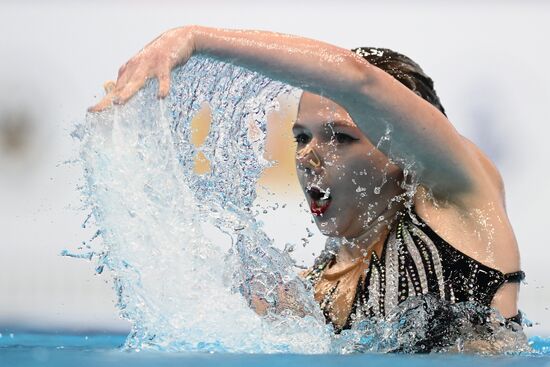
414	261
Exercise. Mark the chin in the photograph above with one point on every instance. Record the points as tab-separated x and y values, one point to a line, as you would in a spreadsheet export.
325	227
328	227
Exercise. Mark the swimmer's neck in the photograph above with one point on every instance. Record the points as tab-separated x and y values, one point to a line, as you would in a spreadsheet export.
371	239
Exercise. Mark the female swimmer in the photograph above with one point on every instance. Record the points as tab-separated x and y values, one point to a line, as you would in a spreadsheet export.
422	212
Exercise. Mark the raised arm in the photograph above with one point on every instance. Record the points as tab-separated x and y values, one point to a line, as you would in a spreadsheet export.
375	100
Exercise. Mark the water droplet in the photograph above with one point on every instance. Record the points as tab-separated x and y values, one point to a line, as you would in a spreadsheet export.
289	247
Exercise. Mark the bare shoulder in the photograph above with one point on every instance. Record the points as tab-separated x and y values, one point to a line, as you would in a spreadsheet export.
488	167
476	223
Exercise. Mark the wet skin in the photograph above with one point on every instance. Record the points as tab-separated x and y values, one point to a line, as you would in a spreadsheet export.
334	156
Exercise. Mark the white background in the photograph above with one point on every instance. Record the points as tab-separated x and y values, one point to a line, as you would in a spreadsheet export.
489	61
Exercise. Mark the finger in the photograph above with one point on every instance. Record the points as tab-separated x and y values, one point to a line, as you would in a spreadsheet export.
124	80
129	67
105	103
128	91
126	74
121	70
128	86
164	84
108	86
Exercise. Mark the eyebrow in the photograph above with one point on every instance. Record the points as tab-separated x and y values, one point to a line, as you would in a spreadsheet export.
336	123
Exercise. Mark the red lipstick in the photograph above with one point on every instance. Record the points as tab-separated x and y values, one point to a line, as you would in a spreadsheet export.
318	209
320	201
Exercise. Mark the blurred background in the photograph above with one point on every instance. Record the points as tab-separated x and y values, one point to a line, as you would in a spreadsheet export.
489	61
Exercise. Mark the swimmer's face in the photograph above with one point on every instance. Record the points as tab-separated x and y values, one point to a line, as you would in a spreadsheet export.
339	169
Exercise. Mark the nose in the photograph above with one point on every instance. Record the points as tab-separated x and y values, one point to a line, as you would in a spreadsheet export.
309	159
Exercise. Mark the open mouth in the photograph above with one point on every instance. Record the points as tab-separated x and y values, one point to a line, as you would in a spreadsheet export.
320	200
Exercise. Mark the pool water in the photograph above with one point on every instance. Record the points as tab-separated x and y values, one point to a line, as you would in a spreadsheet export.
44	349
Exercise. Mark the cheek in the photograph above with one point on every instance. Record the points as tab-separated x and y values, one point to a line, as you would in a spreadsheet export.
357	181
300	174
355	174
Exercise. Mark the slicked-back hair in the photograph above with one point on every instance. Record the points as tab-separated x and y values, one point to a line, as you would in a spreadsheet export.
405	70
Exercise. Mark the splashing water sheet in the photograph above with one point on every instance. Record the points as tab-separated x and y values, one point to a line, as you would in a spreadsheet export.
186	251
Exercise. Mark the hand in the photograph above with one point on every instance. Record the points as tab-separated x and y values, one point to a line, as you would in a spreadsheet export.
156	60
286	301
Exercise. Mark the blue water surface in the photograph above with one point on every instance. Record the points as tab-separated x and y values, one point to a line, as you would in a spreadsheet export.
44	349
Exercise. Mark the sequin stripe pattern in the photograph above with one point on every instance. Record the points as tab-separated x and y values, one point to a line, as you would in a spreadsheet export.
327	302
392	270
398	275
431	261
411	262
405	269
414	261
429	251
357	314
373	300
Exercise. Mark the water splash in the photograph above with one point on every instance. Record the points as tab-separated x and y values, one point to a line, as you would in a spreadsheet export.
187	254
427	323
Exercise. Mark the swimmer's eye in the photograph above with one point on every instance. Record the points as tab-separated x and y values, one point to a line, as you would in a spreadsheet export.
302	138
344	138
